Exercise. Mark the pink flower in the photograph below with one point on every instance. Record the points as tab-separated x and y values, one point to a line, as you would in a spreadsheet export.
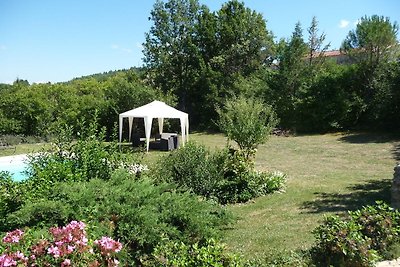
70	249
13	237
69	237
116	262
76	225
66	262
7	261
55	231
20	256
54	251
67	241
107	245
72	232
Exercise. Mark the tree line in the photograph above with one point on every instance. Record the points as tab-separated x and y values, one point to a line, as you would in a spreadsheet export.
42	109
206	57
196	59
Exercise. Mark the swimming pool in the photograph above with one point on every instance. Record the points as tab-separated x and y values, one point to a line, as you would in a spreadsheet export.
15	165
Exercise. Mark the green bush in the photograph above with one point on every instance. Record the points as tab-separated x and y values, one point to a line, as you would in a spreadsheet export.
82	160
192	167
134	211
340	243
247	121
381	224
40	213
178	254
249	185
227	175
11	197
86	158
365	236
147	212
268	182
239	181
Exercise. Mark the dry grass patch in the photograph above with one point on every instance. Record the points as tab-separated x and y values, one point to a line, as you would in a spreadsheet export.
23	149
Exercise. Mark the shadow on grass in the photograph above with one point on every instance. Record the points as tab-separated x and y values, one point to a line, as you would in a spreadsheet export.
362	138
361	195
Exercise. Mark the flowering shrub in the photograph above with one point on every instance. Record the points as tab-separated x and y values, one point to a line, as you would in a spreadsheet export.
88	157
13	237
134	211
268	182
108	246
360	239
133	168
68	246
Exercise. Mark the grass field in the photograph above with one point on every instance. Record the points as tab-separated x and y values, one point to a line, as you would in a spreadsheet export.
22	149
329	173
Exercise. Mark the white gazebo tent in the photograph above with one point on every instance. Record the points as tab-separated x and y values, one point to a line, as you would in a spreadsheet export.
148	112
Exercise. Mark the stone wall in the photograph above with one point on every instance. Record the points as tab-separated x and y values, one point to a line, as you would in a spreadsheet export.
396	187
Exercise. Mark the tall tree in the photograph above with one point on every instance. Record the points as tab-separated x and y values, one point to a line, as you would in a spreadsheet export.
198	54
374	40
316	45
242	45
372	45
171	54
291	75
244	41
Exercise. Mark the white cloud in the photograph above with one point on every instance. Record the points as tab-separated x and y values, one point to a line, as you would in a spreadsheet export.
119	48
344	23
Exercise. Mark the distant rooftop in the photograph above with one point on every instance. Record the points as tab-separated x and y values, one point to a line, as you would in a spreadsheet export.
332	53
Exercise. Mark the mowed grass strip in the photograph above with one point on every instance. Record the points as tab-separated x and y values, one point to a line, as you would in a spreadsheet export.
23	149
327	174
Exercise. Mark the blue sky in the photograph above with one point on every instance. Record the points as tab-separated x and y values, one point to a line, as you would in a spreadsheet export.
57	40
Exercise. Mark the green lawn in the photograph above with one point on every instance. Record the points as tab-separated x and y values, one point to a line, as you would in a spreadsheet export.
329	173
22	149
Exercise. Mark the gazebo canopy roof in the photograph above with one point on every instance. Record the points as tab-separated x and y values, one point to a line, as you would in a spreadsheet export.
150	111
155	109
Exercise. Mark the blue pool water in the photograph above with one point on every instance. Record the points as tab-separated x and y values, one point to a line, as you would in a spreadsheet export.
15	165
